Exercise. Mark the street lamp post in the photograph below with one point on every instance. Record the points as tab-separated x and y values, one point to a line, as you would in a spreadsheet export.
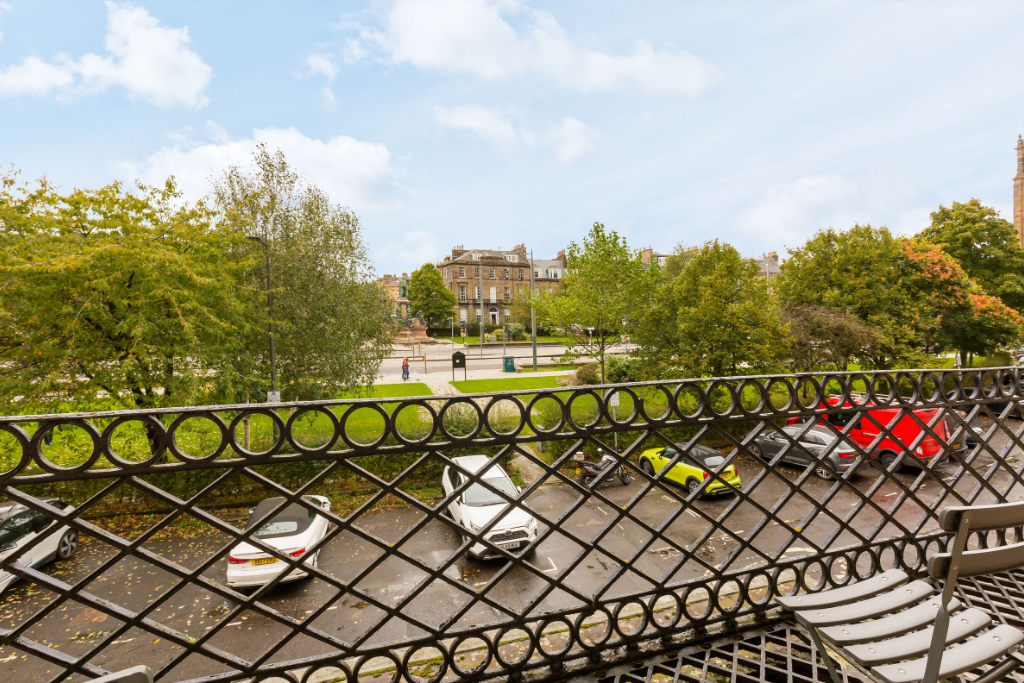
270	313
533	316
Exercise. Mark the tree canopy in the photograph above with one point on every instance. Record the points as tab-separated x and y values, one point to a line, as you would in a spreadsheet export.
985	245
428	297
714	318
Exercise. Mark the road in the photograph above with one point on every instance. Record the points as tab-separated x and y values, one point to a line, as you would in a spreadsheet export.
134	584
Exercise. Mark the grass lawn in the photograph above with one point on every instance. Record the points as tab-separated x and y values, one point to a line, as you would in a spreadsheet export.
528	366
475	386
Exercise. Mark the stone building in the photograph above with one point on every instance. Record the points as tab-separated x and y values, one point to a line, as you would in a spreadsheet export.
768	264
505	275
1018	192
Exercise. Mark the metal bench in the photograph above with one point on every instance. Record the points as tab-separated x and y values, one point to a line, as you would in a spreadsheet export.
895	630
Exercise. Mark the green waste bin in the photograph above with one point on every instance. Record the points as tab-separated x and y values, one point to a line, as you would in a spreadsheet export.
509	362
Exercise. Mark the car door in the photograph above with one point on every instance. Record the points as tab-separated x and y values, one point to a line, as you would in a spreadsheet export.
771	444
452	480
19	531
47	547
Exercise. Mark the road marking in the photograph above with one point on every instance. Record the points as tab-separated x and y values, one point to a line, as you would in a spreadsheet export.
235	623
602	512
553	567
692	513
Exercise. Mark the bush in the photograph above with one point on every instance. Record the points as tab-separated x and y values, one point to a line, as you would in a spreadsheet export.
589	373
516	332
623	368
499	335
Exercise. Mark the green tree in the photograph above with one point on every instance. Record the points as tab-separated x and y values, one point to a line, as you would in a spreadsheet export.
132	296
333	326
824	336
428	296
986	246
605	287
953	310
858	272
714	318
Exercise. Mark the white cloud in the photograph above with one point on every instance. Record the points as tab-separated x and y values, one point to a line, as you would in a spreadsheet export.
410	251
148	59
323	65
788	214
4	7
571	139
489	124
355	173
473	36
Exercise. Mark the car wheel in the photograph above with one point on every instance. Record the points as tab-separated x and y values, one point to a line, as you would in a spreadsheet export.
68	544
647	467
824	472
755	450
886	459
692	484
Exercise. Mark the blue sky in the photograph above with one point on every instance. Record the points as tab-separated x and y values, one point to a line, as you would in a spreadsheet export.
487	124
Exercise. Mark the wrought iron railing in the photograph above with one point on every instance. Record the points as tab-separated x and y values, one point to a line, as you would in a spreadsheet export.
160	497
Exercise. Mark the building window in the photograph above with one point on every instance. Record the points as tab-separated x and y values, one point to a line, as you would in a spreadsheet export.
522	274
463	314
512	257
508	313
462	271
508	295
490	274
462	293
505	273
494	294
536	273
476	272
477	292
475	256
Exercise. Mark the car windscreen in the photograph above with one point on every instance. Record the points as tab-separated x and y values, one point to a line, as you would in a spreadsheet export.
478	495
713	461
292	520
15	527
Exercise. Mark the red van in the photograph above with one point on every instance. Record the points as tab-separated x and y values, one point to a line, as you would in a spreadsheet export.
904	432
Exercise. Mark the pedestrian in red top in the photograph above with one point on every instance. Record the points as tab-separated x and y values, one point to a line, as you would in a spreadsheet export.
405	369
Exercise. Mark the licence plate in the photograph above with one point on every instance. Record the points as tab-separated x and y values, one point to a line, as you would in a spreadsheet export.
509	546
265	560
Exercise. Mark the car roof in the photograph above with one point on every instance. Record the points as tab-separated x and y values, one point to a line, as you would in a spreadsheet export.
820	431
699	450
474	463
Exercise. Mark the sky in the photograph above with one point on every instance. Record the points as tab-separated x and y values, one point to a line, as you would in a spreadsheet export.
490	124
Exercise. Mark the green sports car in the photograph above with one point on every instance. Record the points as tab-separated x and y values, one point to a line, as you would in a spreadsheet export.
687	472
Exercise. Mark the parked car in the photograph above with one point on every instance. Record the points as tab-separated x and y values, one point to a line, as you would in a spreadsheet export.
816	447
477	506
292	531
906	430
19	525
687	472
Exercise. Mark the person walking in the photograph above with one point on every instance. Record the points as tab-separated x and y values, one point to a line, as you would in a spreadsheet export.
405	369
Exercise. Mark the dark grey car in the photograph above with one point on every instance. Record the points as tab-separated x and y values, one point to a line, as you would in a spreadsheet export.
769	443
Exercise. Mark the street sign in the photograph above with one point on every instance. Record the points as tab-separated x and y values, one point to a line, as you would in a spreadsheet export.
458	361
614	402
273	397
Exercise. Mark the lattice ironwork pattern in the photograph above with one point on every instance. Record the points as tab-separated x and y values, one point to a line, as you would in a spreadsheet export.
432	564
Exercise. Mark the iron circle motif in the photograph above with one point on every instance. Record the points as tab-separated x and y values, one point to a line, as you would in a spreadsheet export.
911	544
607	406
915	386
701	400
450	405
815	399
1008	383
790	395
118	461
729	390
749	587
274	417
645	619
416	402
709	605
970	385
762	396
290	430
952	386
935	395
830	564
519	418
777	579
24	441
856	398
523	659
579	393
665	416
886	397
989	384
37	447
479	668
872	563
358	668
172	436
582	617
678	607
805	572
741	596
388	426
529	413
315	670
441	670
569	641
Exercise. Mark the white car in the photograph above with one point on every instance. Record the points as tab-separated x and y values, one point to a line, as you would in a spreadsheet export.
19	525
477	506
292	530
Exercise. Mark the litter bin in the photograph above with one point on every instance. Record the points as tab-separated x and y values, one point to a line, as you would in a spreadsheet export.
509	363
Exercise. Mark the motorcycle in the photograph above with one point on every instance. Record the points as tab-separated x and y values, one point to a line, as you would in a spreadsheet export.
589	472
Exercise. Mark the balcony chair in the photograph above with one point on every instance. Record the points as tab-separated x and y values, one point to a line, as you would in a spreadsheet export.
895	630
